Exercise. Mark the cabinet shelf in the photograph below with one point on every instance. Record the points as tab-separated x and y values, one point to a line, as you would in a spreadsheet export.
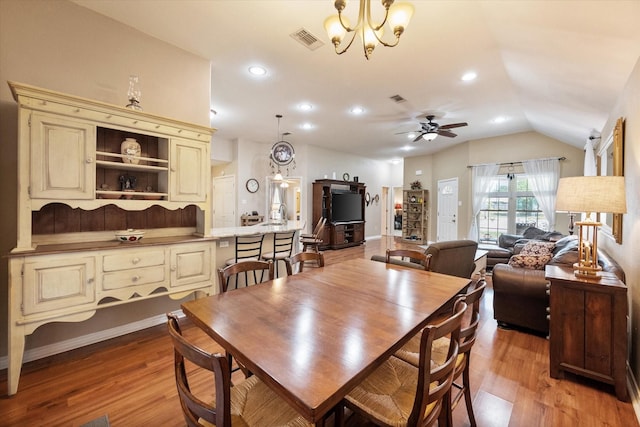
130	167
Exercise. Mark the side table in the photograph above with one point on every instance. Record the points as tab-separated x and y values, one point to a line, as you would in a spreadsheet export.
588	327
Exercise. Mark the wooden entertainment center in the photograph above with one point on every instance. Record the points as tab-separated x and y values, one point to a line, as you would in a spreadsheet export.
339	233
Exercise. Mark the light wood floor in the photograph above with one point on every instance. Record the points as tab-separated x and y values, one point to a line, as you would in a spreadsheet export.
131	380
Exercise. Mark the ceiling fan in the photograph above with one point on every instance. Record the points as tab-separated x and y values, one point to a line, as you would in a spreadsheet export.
430	130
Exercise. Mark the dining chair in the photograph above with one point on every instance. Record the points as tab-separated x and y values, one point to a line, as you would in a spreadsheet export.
398	393
313	241
282	248
410	353
415	256
248	403
300	258
255	267
316	229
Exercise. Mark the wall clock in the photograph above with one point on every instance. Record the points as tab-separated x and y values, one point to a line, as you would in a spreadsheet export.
252	185
282	153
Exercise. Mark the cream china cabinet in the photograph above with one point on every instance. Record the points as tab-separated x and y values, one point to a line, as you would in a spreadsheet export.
75	189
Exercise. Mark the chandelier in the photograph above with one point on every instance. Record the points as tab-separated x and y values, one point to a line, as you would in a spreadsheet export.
371	33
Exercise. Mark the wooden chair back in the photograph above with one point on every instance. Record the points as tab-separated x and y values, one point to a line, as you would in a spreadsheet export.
254	267
413	255
194	408
300	258
434	381
469	330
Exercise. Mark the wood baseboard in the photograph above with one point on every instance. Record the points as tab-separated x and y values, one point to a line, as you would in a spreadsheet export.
84	340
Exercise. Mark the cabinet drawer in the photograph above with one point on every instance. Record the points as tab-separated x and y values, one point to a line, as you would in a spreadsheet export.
133	277
58	283
124	260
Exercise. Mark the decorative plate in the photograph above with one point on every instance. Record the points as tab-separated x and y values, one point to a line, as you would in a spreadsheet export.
282	153
376	198
345	176
367	198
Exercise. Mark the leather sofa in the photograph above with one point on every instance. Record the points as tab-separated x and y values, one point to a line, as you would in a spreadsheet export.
520	295
507	243
453	257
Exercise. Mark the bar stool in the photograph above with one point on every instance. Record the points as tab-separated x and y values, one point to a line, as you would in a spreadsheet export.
282	248
248	248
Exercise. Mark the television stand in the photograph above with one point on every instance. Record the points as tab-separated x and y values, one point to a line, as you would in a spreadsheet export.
344	235
338	234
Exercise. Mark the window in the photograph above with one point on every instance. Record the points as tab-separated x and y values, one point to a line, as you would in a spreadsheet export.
510	207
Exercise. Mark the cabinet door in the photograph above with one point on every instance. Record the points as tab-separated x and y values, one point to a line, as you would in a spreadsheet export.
55	283
358	232
191	264
189	165
62	158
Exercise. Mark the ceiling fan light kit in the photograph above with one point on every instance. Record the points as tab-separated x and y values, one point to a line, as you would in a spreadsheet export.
430	130
396	15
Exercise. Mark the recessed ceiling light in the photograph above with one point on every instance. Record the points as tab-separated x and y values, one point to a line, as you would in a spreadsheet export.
257	70
469	76
407	148
307	126
499	119
305	106
411	135
357	110
395	161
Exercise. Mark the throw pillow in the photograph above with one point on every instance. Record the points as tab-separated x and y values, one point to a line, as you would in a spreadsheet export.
537	247
531	262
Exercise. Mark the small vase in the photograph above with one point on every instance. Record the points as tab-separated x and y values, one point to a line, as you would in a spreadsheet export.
130	149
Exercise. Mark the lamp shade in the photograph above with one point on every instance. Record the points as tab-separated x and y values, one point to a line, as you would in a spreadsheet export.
591	194
430	136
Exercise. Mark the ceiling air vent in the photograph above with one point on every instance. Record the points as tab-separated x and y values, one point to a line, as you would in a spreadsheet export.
397	98
307	39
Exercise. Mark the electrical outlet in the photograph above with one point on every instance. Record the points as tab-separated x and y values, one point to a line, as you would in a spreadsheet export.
224	243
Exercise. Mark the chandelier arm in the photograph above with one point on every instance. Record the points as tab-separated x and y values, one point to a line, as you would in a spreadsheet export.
389	44
340	52
346	27
369	20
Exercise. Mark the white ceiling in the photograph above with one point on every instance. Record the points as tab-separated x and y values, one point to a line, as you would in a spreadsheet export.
554	67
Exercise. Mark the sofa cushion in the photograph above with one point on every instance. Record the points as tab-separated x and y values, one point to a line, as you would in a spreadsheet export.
532	233
531	262
538	247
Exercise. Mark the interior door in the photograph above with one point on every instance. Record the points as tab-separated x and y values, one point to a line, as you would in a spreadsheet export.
447	209
224	201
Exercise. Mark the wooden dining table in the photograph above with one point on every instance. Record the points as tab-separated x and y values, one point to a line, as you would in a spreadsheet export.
315	335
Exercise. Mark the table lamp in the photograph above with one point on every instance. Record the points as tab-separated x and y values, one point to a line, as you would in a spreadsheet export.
589	194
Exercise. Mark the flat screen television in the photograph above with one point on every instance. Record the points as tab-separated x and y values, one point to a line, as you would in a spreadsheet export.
346	207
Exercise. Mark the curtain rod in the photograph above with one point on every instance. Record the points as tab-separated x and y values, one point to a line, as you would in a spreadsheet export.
515	163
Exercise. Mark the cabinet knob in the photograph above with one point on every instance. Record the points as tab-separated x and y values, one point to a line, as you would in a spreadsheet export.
173	169
173	268
89	159
548	317
135	260
135	278
548	309
548	292
90	280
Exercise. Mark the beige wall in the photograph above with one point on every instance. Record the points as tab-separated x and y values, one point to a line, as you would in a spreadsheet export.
453	163
61	46
628	106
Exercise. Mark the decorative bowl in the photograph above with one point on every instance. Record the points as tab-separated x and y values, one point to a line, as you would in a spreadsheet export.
130	235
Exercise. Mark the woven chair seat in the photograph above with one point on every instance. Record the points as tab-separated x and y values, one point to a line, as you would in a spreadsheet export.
278	256
389	393
254	404
410	352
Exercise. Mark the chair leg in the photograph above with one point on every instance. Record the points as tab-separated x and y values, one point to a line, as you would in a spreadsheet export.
446	416
339	415
467	393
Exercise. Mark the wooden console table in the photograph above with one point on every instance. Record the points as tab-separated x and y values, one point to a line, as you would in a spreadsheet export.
588	327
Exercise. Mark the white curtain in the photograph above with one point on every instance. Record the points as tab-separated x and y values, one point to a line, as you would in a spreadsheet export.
589	159
482	177
543	176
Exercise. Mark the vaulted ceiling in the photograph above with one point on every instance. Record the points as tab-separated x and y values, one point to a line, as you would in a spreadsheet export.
554	67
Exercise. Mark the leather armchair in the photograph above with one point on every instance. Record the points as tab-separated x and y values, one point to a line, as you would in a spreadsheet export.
453	257
520	295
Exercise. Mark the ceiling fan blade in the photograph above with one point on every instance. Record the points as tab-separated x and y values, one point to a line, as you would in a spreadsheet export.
409	131
446	133
453	125
419	137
